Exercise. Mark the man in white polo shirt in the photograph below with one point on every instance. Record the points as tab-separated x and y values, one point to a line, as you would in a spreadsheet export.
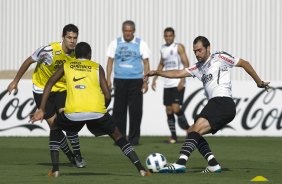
130	57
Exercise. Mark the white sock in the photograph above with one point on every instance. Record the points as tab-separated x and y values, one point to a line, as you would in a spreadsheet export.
183	157
210	157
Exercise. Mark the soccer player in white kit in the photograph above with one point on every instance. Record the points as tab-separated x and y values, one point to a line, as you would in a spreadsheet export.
214	71
173	57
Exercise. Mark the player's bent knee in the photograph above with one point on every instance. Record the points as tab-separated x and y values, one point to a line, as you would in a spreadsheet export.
201	128
116	135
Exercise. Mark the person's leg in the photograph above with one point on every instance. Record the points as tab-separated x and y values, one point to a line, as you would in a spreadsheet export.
56	137
220	111
135	104
59	124
191	143
62	141
105	125
167	101
128	151
176	105
204	149
74	140
54	145
181	118
120	105
171	124
49	117
59	100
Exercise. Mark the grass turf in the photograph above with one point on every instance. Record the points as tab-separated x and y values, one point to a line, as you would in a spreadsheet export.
27	160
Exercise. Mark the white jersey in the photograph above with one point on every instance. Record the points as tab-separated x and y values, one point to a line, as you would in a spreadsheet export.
215	74
43	54
144	49
171	61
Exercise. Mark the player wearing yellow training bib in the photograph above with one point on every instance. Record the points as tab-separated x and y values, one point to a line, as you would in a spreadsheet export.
82	77
88	96
49	58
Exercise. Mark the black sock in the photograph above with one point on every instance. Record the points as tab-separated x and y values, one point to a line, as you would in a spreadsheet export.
128	150
55	160
180	113
190	144
212	162
181	161
171	125
74	140
206	152
182	121
54	146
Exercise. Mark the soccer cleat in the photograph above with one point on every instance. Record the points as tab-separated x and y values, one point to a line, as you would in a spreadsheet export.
182	122
173	168
144	173
79	161
54	174
212	169
172	140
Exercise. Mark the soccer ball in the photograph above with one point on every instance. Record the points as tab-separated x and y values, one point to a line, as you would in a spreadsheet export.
155	162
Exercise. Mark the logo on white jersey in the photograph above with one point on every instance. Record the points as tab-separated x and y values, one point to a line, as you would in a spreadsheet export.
226	59
206	78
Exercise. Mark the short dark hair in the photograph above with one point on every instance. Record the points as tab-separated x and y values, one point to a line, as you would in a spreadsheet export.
128	23
82	50
204	40
69	28
169	29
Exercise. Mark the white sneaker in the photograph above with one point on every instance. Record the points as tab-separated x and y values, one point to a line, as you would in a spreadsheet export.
53	174
212	169
173	168
144	173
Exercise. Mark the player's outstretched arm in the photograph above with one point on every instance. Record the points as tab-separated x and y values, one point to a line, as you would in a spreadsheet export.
39	114
14	84
250	70
169	74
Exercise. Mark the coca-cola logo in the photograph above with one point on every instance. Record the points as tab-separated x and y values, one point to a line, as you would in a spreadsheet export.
19	108
261	111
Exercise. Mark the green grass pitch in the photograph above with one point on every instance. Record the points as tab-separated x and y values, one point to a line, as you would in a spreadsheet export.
27	160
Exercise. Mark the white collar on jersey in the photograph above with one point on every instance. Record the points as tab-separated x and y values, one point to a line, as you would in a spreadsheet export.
132	41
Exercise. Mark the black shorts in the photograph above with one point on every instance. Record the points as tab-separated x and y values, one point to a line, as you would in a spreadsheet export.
98	127
172	95
55	101
219	112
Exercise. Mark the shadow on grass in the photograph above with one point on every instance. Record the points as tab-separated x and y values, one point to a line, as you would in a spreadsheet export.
61	164
200	169
84	173
95	174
